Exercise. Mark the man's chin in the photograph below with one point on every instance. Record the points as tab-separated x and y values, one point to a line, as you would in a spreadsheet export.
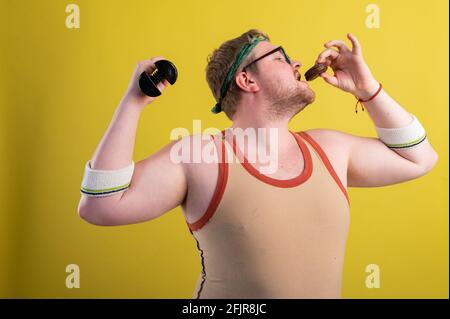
289	107
304	97
290	103
310	96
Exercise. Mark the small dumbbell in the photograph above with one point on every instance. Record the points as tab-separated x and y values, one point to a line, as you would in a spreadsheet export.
164	70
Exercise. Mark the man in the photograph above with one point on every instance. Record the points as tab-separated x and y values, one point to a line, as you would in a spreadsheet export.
276	235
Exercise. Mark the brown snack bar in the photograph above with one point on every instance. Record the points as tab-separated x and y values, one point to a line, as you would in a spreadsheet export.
315	71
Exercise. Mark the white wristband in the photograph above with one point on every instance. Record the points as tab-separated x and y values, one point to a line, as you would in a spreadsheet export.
403	137
101	183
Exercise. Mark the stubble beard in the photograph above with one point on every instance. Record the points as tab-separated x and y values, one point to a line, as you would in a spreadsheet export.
287	102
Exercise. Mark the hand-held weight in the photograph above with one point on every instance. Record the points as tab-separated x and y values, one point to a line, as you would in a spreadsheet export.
164	70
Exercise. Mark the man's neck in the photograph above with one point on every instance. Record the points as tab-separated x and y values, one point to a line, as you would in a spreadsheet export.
266	133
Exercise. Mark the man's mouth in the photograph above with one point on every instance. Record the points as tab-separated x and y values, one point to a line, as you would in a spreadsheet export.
298	76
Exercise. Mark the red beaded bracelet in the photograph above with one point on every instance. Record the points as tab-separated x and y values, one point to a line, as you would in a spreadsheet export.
372	97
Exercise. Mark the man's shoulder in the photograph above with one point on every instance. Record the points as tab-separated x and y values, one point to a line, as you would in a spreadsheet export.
333	142
328	136
322	136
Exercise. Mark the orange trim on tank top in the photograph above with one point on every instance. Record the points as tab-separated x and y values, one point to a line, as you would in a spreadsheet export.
326	161
218	192
284	183
306	173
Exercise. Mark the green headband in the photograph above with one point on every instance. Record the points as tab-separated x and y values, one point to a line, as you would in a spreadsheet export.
245	50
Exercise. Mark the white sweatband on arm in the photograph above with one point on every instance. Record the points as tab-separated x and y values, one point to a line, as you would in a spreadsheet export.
101	183
403	137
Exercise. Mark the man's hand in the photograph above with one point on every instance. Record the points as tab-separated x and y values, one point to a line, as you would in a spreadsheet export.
351	73
133	93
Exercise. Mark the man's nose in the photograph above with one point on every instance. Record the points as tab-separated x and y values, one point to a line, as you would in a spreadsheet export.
296	64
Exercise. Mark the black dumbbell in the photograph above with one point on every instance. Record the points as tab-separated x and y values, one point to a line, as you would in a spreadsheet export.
164	70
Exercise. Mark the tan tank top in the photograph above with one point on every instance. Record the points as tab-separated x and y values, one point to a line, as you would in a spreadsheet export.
262	237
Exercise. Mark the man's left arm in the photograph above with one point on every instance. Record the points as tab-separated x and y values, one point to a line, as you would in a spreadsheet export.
402	151
386	113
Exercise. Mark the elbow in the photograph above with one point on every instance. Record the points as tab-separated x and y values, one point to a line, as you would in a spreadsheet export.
434	162
87	216
436	159
84	215
92	217
81	211
428	167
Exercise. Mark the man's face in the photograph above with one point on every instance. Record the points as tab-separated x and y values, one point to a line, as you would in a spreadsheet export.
279	82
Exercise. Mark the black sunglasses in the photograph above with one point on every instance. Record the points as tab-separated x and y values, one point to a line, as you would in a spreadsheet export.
280	48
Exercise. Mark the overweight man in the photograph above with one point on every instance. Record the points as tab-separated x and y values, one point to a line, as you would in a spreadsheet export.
261	233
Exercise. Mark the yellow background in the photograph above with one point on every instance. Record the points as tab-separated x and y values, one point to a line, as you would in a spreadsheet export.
60	87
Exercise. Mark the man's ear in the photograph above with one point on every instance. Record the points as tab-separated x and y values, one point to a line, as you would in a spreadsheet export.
246	83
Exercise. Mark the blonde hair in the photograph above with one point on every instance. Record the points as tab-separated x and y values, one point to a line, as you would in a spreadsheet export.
220	61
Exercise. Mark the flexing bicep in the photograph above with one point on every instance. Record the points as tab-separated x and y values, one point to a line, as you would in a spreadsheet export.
157	186
373	164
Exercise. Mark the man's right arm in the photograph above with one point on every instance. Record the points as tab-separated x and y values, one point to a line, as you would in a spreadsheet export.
157	184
